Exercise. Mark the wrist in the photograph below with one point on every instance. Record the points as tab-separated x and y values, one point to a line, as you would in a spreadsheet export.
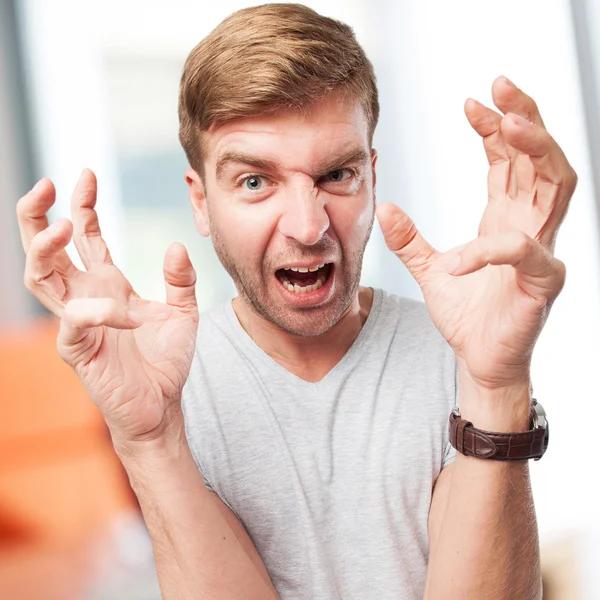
500	409
169	444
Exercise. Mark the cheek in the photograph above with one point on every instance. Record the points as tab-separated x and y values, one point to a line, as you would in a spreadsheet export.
246	230
351	218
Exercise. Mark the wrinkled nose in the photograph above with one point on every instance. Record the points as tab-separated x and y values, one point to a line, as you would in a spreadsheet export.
304	216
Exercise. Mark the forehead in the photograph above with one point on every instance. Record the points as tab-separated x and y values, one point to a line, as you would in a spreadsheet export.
296	140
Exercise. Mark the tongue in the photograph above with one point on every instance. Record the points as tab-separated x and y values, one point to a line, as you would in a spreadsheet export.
302	279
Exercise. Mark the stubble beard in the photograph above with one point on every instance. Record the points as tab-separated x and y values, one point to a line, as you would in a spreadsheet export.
306	322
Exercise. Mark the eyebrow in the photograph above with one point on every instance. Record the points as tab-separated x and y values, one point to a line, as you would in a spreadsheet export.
228	157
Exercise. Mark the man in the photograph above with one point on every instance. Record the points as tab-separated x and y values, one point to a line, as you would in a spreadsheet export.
317	410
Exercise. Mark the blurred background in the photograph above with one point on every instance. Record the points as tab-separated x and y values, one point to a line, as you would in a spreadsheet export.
93	83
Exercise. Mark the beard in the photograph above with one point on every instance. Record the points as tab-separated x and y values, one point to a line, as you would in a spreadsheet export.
254	284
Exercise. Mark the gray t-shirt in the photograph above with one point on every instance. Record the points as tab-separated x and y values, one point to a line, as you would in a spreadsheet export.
332	480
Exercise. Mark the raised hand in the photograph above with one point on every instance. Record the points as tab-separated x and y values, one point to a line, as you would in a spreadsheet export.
530	181
491	297
132	355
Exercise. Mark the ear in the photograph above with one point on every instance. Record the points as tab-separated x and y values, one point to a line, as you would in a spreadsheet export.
198	200
374	156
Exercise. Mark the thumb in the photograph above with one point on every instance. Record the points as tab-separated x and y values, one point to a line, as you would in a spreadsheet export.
180	278
404	240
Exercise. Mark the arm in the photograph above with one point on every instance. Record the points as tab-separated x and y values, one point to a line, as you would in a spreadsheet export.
200	547
482	526
133	357
490	299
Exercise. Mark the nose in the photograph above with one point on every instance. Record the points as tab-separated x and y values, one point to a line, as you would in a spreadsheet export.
304	217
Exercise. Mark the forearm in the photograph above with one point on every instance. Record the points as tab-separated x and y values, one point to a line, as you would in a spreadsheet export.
197	554
487	545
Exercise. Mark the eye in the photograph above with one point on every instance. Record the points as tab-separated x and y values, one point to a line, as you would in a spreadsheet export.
339	175
253	183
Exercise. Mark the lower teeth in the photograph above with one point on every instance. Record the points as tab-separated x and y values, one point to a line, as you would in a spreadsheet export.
303	289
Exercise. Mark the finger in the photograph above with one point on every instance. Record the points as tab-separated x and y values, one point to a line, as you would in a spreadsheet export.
539	274
83	313
555	179
32	210
550	163
32	217
80	315
509	98
87	235
42	276
486	122
180	278
404	240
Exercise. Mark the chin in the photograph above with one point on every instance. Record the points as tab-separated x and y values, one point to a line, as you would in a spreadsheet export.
307	328
307	322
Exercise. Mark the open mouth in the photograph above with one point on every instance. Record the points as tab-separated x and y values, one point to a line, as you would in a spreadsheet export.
304	280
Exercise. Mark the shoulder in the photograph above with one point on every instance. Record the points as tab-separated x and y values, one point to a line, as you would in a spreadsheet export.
409	315
413	337
215	317
217	352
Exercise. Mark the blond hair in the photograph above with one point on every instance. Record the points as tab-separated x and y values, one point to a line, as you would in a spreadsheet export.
266	59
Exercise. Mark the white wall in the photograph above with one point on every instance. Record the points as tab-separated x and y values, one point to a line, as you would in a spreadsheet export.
63	57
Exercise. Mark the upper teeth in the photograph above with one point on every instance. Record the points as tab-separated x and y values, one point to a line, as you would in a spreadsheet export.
305	269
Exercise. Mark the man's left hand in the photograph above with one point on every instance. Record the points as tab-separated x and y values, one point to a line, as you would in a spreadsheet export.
491	297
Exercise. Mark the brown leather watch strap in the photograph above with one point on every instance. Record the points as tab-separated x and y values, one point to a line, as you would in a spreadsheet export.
498	446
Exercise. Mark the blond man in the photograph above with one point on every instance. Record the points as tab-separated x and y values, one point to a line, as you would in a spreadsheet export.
315	460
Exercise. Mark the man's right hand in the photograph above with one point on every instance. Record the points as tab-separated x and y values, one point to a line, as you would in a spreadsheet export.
132	355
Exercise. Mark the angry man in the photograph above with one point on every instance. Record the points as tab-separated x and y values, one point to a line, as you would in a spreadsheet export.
294	443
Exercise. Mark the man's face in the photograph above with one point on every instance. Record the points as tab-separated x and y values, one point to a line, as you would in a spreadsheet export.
283	195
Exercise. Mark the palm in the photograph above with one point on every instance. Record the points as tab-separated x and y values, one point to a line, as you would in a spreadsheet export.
482	315
132	373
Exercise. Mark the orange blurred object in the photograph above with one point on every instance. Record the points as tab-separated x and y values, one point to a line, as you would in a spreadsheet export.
60	480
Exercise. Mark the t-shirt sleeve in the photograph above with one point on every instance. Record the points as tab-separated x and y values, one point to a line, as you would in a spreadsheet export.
207	483
189	413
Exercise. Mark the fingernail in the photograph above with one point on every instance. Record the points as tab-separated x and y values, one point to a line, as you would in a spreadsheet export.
38	185
507	80
134	318
454	264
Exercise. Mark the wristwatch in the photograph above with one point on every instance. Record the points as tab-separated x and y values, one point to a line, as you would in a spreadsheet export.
470	441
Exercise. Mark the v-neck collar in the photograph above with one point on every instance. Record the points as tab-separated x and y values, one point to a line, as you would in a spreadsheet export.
351	355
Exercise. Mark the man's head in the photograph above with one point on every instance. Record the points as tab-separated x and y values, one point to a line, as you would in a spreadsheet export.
277	111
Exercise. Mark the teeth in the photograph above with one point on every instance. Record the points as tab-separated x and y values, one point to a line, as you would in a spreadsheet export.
307	288
305	269
303	290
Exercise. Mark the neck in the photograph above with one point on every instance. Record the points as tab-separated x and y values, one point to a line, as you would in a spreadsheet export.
309	358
